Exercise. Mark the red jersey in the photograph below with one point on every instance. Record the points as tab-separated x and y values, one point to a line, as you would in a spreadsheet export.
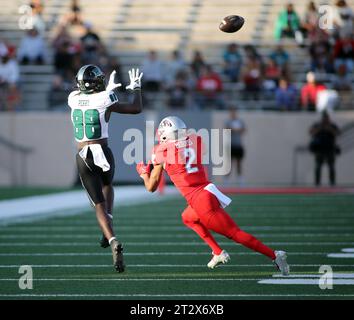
309	93
182	161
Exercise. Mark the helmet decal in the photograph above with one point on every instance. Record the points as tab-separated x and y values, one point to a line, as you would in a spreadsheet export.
170	128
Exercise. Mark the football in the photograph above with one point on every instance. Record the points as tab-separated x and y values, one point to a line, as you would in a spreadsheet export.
231	23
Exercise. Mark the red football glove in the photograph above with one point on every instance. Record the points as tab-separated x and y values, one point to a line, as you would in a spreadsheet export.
143	168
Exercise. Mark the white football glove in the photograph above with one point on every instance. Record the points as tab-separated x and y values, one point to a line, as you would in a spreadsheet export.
135	79
111	84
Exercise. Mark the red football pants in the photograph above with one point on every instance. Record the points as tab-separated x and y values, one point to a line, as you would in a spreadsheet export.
205	213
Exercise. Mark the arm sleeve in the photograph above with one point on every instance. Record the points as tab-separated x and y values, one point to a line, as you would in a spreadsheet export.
110	98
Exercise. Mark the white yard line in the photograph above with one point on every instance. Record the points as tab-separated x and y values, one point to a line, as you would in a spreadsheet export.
132	279
305	281
270	265
97	254
175	215
299	275
145	295
341	255
167	236
169	217
177	227
164	244
68	203
298	281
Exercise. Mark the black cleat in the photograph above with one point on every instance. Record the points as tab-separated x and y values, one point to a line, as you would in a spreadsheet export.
104	243
117	252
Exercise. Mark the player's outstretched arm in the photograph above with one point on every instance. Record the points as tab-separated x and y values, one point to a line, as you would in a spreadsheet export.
135	87
150	176
128	108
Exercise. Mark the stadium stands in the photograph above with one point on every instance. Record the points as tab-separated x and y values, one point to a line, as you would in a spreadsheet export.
130	28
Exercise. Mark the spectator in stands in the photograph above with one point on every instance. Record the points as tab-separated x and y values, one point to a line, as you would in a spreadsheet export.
311	17
110	63
288	24
238	129
174	66
342	80
343	19
32	48
286	96
37	16
311	24
62	35
251	52
309	92
344	53
73	22
37	6
272	74
64	60
209	89
9	77
58	94
153	72
75	6
232	62
178	91
281	58
91	45
74	17
323	145
67	59
321	57
3	48
198	63
252	77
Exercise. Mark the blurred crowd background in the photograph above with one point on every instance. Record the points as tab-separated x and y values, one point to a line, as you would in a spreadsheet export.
289	71
300	66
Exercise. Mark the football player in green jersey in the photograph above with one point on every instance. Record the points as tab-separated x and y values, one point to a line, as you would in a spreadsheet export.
91	107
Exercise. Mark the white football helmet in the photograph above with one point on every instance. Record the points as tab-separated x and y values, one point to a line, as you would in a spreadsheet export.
170	129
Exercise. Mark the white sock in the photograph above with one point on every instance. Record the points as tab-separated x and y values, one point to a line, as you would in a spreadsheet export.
110	240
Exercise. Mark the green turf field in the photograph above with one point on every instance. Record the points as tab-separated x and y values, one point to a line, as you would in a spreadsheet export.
165	260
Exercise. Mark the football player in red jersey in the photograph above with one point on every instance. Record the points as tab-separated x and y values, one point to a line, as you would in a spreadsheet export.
180	155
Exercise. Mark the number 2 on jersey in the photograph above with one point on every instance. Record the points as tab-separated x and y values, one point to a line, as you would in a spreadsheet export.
189	154
86	124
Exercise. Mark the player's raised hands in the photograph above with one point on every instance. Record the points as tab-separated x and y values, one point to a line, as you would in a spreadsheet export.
135	79
111	84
